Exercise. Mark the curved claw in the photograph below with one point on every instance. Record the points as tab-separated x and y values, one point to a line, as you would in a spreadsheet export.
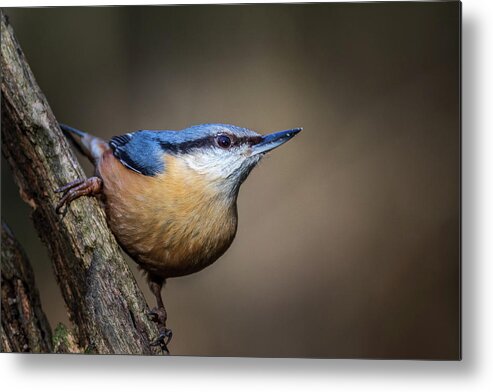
68	186
75	189
163	340
159	316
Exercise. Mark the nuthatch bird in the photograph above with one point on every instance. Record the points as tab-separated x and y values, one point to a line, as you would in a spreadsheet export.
170	196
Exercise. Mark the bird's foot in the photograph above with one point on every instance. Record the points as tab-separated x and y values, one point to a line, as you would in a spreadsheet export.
163	340
75	189
159	316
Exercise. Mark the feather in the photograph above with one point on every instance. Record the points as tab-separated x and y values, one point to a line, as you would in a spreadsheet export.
139	151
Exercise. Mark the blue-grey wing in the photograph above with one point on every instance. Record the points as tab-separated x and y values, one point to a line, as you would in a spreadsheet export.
139	151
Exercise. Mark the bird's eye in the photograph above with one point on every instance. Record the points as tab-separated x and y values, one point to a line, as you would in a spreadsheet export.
223	141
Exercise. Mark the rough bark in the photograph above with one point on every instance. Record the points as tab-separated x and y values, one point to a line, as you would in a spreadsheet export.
107	309
25	327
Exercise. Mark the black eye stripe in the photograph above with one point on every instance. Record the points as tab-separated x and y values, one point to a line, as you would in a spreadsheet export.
208	141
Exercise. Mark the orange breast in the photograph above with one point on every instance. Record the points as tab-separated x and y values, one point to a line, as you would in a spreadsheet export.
172	224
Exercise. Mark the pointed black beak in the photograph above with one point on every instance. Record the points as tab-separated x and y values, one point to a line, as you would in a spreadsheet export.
273	140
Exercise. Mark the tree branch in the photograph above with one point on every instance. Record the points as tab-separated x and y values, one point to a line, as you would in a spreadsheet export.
105	305
25	327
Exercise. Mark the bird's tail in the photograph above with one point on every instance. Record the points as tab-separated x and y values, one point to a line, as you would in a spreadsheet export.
91	146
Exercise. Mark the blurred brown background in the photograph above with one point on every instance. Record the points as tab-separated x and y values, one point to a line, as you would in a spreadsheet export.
349	236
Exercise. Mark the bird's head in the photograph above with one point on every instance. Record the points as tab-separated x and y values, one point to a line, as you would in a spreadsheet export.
224	154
